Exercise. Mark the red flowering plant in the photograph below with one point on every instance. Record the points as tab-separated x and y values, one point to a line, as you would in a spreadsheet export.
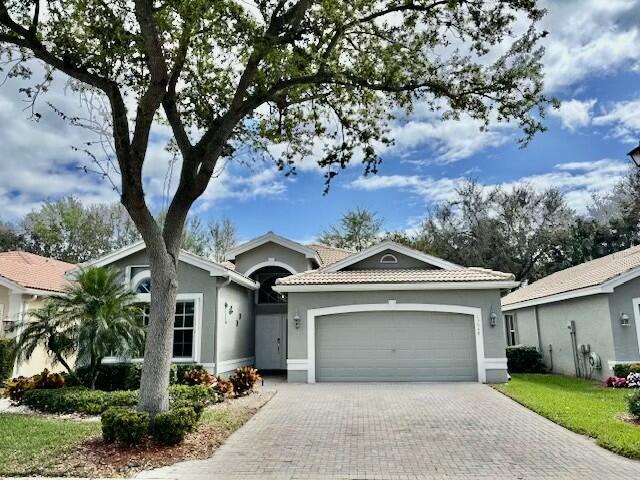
616	382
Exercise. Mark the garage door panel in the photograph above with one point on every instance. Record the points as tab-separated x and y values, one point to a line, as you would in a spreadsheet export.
395	346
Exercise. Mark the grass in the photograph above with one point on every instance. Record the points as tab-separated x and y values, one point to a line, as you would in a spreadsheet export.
29	444
583	406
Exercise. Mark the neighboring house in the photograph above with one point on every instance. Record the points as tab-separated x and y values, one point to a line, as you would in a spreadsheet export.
581	315
388	313
25	281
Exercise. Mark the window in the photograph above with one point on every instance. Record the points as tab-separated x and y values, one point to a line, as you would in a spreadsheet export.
144	286
183	327
389	258
511	329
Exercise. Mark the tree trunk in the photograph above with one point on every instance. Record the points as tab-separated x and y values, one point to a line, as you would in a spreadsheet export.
154	384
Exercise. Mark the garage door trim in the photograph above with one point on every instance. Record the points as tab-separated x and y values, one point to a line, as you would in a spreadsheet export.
312	314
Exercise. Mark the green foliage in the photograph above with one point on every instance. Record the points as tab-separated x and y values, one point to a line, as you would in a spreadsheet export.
18	387
10	237
120	424
196	393
170	427
524	359
624	369
197	376
223	238
358	229
7	357
633	402
196	406
78	400
244	379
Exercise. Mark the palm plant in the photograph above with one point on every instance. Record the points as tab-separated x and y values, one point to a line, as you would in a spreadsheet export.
48	329
109	323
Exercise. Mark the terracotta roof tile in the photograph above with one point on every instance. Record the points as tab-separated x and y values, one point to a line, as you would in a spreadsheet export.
589	274
320	277
33	271
329	255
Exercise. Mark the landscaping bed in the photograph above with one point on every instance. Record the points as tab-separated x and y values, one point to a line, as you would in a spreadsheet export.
583	406
31	445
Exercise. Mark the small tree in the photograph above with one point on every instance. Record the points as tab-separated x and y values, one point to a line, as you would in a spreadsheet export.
301	74
106	319
223	238
357	230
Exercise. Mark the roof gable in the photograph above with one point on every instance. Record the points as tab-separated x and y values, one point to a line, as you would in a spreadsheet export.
27	271
271	237
391	246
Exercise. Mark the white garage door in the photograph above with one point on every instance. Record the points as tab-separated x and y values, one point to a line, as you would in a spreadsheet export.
395	347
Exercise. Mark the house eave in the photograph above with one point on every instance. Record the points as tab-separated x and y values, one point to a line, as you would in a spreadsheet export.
355	287
308	252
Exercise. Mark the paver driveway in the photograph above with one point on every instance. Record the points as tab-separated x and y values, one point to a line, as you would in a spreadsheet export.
400	431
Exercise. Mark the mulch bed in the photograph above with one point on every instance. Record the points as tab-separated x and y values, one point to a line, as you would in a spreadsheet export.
95	458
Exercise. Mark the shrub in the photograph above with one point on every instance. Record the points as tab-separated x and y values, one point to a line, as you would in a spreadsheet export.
633	402
223	387
196	393
524	359
197	407
624	369
7	357
78	400
182	368
17	387
616	382
244	379
170	427
197	376
124	425
119	376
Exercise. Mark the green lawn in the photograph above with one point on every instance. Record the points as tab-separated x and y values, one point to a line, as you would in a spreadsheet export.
583	406
30	444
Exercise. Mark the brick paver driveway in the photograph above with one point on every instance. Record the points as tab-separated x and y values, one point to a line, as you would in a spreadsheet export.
401	431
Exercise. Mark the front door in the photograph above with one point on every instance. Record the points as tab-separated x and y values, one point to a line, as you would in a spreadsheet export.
271	349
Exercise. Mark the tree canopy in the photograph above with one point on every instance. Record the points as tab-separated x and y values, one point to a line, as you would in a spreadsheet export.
357	229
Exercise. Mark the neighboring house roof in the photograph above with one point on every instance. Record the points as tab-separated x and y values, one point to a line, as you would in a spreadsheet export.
214	268
329	255
33	272
271	237
596	276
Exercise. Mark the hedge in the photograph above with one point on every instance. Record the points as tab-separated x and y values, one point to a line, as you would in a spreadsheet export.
7	358
622	370
524	359
124	425
121	376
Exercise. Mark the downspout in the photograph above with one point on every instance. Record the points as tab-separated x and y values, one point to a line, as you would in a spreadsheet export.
535	315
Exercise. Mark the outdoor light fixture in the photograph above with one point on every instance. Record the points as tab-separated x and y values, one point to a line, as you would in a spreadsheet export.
624	319
493	318
635	155
296	320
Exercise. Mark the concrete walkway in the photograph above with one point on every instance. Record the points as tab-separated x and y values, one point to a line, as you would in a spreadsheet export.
400	431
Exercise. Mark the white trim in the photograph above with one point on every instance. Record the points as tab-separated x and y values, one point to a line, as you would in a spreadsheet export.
11	285
231	365
137	278
297	364
388	258
636	318
612	363
308	252
271	262
395	307
605	287
495	363
356	287
396	247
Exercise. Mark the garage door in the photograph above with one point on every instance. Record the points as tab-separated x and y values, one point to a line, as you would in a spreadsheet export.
395	347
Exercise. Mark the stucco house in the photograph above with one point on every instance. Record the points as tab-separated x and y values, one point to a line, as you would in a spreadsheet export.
388	313
25	280
583	319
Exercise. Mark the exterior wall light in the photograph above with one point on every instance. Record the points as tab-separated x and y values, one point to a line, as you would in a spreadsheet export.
624	319
493	319
296	320
635	155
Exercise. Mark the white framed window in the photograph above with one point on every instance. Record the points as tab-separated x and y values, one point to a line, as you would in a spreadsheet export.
511	329
141	282
389	258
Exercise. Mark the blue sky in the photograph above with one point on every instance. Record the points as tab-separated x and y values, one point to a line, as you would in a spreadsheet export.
592	65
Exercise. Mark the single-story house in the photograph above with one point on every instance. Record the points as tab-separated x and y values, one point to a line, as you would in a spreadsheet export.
583	319
25	280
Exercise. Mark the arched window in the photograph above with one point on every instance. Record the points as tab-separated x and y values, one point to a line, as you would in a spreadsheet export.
144	286
389	258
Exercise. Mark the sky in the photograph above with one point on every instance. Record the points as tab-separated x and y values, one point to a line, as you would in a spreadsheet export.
592	64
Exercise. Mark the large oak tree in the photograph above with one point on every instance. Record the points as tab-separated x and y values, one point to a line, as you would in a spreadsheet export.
310	75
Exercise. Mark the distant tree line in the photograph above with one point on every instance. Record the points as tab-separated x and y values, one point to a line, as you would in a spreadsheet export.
521	230
68	230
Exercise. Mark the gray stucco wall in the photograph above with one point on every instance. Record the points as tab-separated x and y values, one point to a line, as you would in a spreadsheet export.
300	302
236	330
404	261
593	326
625	339
264	252
190	280
527	330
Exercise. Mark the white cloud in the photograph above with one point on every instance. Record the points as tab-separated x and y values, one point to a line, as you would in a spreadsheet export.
575	114
579	181
624	119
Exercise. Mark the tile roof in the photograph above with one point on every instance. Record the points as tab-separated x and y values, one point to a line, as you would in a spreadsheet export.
329	255
589	274
321	277
33	271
